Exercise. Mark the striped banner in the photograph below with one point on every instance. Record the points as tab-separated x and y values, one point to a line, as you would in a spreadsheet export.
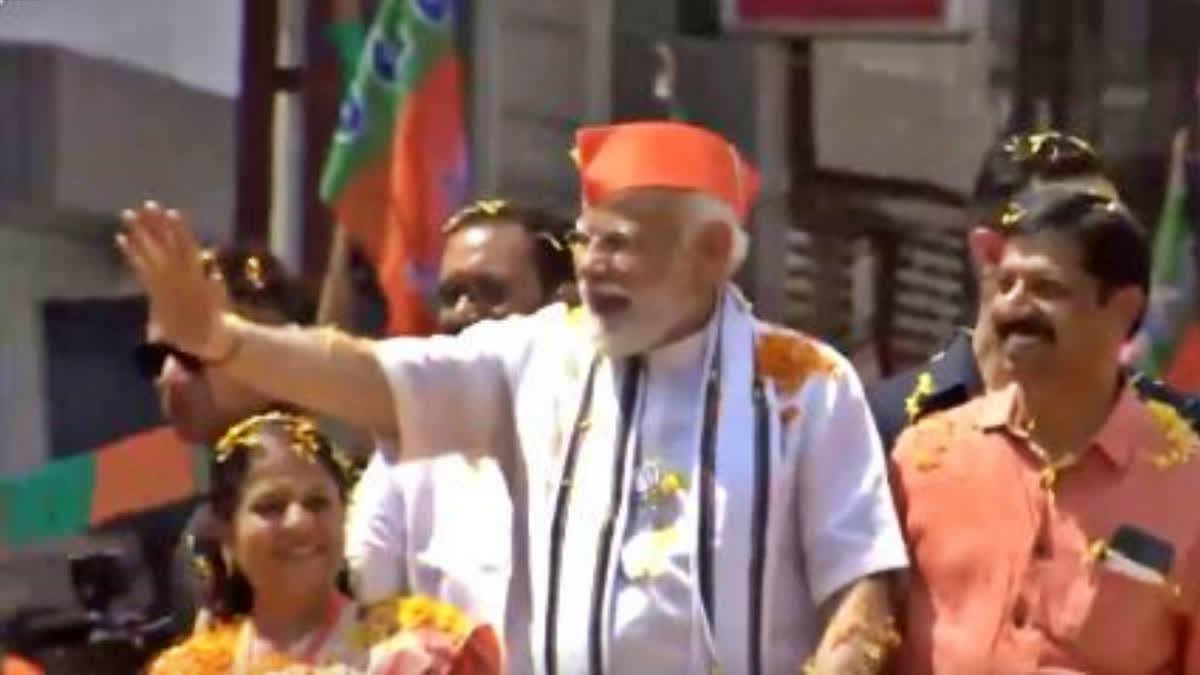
139	473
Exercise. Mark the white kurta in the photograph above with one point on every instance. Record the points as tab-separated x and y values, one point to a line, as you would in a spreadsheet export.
405	530
787	532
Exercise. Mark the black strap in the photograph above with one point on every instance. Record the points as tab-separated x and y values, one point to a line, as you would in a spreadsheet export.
708	484
559	522
762	501
629	390
707	539
762	495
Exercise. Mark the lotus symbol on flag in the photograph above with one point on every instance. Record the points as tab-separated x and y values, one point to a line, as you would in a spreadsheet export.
386	59
434	11
351	118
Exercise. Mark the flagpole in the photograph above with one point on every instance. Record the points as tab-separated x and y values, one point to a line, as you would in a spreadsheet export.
336	302
287	150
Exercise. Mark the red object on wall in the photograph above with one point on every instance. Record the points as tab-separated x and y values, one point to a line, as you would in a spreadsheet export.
826	10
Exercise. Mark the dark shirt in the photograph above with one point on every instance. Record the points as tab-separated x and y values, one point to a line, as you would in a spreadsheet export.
954	379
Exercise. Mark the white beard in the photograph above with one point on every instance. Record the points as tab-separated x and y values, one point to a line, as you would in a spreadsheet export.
644	325
632	337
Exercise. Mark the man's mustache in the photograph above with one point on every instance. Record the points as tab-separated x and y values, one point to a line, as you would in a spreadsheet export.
1026	326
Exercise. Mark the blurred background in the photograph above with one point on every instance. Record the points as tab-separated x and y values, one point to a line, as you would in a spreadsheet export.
867	118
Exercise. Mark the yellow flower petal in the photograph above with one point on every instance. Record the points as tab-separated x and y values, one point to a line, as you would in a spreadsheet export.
922	390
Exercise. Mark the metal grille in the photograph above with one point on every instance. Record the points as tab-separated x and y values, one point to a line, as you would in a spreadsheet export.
819	286
833	291
929	299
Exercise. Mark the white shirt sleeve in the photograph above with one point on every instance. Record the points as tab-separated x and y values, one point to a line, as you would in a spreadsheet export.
848	523
376	536
453	394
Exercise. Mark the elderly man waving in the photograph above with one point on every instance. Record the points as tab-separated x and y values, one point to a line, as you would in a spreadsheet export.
694	489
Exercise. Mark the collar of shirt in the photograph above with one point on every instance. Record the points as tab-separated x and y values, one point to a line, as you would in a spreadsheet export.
1123	433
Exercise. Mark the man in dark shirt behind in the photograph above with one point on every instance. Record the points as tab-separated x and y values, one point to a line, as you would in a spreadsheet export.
968	365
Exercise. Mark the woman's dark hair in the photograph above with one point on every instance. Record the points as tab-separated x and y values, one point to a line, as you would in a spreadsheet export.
549	231
228	593
258	279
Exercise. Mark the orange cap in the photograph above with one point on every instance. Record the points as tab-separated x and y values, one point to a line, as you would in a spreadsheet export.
663	154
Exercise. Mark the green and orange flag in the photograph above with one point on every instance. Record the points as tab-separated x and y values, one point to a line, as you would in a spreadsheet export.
141	472
398	165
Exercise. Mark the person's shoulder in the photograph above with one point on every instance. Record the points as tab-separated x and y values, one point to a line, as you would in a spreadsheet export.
947	380
937	432
889	401
516	330
1185	405
1173	442
896	386
507	338
791	358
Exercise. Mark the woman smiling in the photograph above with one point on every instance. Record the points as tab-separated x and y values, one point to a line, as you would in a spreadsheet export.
279	495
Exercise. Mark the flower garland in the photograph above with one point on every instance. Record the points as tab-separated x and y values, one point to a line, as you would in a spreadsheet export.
214	651
305	439
384	620
210	652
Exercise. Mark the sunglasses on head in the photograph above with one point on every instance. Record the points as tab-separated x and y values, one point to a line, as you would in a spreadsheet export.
149	358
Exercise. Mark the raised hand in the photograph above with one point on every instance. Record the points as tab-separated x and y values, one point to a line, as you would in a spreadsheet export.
186	300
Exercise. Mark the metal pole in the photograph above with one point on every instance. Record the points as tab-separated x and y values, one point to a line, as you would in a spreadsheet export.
287	156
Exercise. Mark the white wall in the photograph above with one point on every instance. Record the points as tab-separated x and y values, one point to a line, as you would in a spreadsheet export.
919	110
194	41
123	135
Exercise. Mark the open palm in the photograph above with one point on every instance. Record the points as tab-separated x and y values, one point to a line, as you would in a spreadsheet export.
186	301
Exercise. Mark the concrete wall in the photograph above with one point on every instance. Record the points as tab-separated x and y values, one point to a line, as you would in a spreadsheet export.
738	87
540	68
915	110
195	43
94	136
84	137
42	255
124	135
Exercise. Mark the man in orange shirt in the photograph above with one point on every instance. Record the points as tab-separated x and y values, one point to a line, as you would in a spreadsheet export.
1051	522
